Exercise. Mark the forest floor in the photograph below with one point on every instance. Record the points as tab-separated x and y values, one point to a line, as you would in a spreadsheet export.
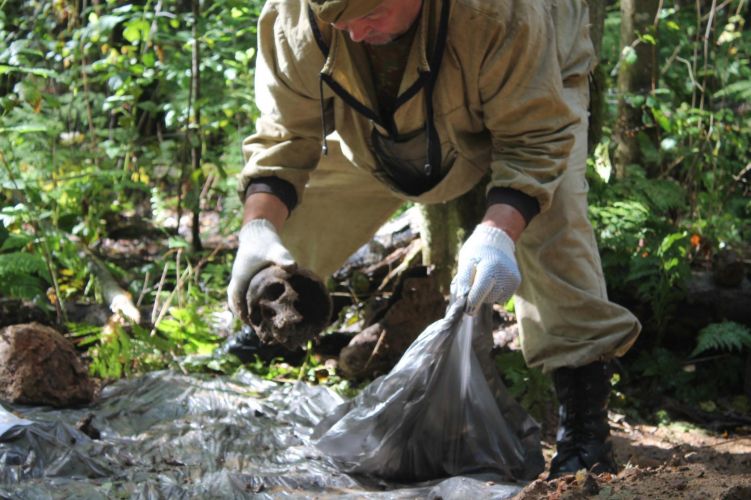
677	460
673	461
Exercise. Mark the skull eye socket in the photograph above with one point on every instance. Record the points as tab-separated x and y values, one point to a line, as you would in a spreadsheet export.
313	301
274	291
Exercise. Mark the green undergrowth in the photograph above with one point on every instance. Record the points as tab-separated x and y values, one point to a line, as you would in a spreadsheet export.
101	129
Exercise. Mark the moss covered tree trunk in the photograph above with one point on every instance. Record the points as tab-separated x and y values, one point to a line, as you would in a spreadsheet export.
446	226
636	79
597	82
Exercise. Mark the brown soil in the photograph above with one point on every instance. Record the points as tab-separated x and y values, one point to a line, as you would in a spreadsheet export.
675	461
39	366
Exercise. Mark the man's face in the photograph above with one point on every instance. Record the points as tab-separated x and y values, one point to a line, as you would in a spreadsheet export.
384	23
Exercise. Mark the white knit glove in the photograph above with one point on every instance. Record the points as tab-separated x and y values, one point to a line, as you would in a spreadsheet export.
259	247
487	272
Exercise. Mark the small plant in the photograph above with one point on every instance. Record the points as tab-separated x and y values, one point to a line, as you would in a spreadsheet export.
116	350
187	331
725	336
22	274
532	388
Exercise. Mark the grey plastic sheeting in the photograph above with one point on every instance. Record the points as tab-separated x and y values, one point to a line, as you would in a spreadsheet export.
167	435
441	411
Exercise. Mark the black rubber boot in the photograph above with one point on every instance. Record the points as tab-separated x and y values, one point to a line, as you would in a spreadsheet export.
245	344
583	438
248	347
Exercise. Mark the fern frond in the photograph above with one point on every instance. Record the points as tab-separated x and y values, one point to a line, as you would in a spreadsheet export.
13	242
84	334
22	263
664	194
21	286
725	336
739	90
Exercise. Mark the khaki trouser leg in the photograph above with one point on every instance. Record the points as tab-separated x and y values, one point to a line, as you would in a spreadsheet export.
340	211
564	314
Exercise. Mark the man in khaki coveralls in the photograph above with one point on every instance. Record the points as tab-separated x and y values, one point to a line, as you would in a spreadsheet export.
418	100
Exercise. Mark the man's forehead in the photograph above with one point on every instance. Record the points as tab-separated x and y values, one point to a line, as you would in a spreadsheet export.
332	11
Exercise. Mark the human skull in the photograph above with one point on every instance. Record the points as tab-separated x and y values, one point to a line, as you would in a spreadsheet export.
287	307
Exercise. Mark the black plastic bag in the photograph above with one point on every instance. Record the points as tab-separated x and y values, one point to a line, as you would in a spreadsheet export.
439	412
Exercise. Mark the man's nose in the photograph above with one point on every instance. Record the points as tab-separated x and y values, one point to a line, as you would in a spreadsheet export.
358	34
358	31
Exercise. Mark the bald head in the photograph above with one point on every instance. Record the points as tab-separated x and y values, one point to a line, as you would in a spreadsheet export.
388	20
332	11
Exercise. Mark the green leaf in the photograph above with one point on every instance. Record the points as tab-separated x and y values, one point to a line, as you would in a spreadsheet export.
635	100
662	120
24	129
105	23
725	336
149	59
671	240
46	73
14	242
136	30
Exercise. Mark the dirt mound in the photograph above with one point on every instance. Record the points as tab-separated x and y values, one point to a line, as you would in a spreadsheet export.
38	366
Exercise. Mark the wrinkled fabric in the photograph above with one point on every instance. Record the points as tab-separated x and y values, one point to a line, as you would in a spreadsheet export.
497	99
332	11
435	414
565	317
167	435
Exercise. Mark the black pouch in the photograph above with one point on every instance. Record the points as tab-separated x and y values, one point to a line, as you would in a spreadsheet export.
403	161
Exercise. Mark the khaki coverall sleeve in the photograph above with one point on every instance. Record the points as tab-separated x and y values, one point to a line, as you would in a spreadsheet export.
523	107
287	141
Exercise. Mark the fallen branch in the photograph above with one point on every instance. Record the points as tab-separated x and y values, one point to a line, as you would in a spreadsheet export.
117	299
407	256
715	420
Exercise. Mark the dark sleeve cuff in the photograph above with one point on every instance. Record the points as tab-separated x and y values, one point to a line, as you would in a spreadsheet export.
280	188
527	205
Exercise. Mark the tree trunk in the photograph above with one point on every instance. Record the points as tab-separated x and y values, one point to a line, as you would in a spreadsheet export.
439	231
635	81
194	131
597	82
597	12
446	226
